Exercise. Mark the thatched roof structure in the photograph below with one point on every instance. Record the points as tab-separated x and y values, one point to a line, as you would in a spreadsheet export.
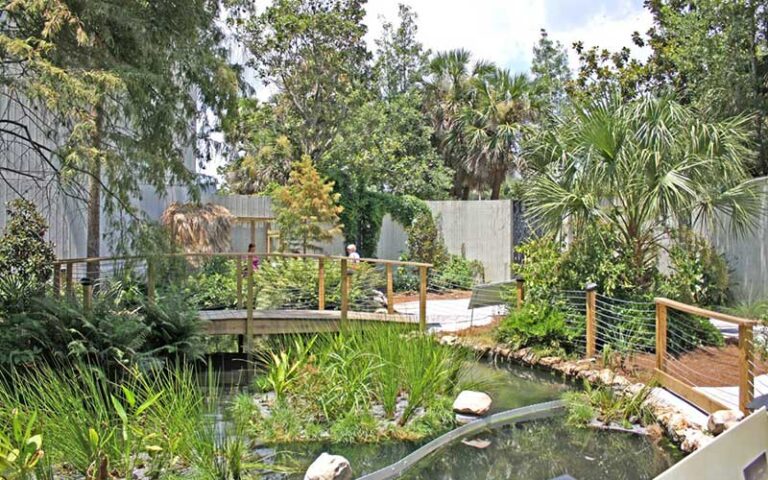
199	228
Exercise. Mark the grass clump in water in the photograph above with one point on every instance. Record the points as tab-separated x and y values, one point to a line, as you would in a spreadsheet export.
156	424
361	385
607	406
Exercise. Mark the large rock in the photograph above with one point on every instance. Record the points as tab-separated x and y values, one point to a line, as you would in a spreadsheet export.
722	420
329	467
472	403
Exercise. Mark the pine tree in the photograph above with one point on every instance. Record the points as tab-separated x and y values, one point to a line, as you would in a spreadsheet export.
307	209
550	72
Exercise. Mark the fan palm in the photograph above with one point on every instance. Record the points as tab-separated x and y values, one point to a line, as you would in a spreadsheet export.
642	167
492	126
449	89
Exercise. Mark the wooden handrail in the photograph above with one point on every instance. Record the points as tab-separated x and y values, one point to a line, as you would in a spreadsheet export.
375	261
683	307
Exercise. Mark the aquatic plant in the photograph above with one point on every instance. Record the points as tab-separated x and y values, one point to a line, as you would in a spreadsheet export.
324	382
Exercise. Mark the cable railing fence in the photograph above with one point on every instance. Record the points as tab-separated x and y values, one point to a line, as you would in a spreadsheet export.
677	344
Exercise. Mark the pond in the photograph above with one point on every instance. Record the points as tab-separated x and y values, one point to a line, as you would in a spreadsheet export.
538	450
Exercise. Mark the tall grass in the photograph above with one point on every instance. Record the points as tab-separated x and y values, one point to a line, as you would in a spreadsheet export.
160	421
347	373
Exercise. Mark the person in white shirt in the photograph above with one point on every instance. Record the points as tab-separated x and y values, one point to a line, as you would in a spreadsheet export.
352	254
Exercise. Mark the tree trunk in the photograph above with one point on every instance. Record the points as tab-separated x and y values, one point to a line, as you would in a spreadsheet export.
498	181
93	243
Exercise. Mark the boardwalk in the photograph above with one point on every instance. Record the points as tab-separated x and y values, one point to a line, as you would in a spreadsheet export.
266	322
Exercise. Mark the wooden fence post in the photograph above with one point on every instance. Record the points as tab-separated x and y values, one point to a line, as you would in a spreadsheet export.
661	336
70	287
239	279
249	307
321	284
151	281
423	299
520	292
591	290
344	291
390	289
87	284
746	375
253	231
56	280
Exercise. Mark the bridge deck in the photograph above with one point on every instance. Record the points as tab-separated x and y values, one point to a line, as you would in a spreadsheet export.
265	322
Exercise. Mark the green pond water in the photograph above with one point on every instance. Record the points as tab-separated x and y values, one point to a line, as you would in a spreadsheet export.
539	450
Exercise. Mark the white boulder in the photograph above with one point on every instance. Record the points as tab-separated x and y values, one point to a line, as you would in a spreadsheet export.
329	467
472	403
722	420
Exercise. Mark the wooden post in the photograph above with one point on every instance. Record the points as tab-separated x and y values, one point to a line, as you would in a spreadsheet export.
746	375
70	288
239	279
520	292
266	238
56	280
423	299
151	281
591	320
249	307
87	294
390	289
253	232
344	291
661	336
321	284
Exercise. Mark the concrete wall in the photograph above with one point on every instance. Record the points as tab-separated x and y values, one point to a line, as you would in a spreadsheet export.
747	256
479	230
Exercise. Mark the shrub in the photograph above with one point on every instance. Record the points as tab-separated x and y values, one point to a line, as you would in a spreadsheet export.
24	253
540	326
116	330
698	274
292	283
458	273
425	244
214	286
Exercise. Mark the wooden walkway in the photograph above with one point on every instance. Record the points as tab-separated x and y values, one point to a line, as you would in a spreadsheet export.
266	322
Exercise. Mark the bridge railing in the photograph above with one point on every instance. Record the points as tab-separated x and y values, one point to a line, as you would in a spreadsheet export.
318	282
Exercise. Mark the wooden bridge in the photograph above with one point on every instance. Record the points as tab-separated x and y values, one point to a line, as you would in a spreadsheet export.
267	322
246	319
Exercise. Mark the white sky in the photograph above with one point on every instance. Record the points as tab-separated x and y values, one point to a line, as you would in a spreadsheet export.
504	31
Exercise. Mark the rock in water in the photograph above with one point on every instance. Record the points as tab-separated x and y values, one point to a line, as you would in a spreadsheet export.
473	403
329	467
722	420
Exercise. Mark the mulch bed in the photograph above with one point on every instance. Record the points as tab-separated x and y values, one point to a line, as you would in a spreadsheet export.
703	367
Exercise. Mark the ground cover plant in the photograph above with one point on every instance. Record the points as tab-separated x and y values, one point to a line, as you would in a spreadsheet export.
363	384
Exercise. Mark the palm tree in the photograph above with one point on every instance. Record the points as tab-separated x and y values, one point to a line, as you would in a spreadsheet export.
492	126
643	167
449	90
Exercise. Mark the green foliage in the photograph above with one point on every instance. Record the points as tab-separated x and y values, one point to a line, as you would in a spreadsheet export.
306	208
458	273
214	286
699	275
635	165
20	449
286	282
328	381
541	326
117	330
607	406
98	427
26	258
425	243
122	86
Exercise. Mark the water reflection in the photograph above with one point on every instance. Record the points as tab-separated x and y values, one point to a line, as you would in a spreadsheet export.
546	449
